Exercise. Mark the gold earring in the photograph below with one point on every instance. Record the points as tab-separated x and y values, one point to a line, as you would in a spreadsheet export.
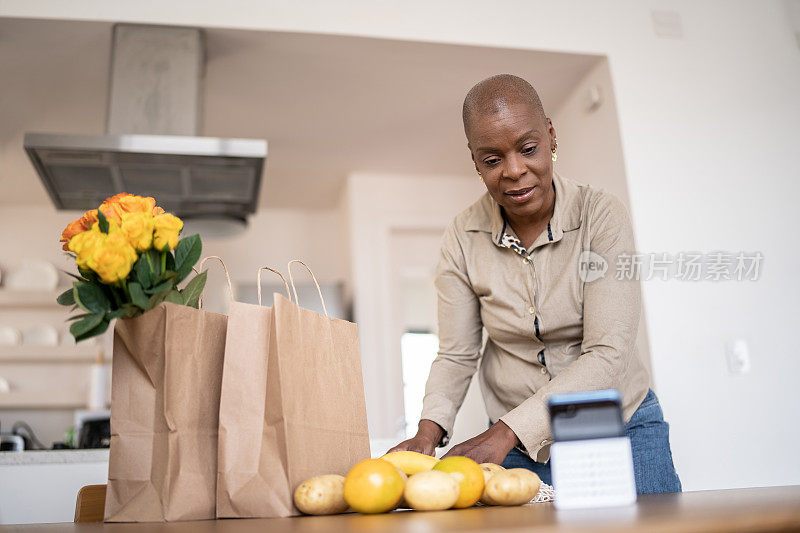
554	156
480	177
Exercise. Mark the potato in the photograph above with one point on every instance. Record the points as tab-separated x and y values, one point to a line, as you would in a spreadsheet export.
321	495
511	487
432	490
489	469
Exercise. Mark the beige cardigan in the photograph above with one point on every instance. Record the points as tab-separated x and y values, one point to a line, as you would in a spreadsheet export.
535	307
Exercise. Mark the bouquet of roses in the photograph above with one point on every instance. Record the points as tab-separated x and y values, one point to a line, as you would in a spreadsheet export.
130	259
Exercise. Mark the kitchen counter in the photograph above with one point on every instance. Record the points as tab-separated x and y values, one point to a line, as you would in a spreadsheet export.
743	510
42	457
40	486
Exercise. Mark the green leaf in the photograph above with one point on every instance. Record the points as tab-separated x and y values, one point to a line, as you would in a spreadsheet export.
90	298
154	261
78	317
66	297
103	221
175	297
168	275
70	274
187	254
88	274
119	313
143	273
80	328
157	298
167	285
117	294
97	330
137	294
194	289
170	261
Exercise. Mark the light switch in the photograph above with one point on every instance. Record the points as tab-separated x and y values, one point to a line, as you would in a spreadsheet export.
738	355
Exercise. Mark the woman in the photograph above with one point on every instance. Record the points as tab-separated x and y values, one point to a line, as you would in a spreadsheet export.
510	264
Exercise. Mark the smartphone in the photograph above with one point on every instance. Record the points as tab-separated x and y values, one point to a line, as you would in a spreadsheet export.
586	415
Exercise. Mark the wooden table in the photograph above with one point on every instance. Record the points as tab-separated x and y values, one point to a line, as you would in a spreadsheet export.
741	510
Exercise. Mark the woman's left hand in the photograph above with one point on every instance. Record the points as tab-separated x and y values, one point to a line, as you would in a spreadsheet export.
491	446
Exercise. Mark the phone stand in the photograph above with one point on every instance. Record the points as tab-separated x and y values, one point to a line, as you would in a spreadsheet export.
593	473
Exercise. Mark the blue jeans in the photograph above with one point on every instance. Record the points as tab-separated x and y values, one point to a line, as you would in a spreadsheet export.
652	457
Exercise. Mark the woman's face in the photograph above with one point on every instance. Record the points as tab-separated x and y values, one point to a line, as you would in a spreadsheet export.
512	150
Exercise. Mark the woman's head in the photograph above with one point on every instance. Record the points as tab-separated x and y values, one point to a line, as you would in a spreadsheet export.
511	141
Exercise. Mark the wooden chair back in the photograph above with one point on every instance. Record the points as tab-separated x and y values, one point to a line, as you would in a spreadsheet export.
90	504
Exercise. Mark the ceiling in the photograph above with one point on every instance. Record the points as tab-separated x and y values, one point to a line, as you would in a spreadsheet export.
327	105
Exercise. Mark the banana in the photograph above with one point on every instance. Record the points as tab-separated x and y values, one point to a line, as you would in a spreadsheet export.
411	462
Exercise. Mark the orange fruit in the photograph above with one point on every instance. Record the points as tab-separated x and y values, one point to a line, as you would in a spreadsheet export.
469	476
373	486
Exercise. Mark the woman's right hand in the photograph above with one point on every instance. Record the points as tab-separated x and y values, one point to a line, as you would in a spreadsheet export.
429	434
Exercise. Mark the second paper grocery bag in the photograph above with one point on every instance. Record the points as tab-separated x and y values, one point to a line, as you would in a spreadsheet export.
292	405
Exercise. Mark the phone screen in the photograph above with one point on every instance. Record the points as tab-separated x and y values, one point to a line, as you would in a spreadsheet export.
586	415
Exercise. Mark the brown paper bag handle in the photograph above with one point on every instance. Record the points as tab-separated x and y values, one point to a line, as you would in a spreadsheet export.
276	272
294	290
227	277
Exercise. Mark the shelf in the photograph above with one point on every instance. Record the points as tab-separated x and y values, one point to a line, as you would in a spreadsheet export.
50	354
38	400
19	299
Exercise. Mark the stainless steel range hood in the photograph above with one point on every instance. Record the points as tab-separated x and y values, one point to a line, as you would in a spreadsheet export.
190	176
154	110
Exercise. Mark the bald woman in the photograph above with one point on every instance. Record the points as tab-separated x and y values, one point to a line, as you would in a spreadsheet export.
509	265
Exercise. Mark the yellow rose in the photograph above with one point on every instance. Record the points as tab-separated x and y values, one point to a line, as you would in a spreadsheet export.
112	259
138	229
84	244
167	227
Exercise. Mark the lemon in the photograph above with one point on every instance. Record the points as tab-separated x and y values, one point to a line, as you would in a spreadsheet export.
469	477
373	486
410	462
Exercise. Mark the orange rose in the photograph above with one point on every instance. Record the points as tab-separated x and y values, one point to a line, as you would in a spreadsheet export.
113	207
91	217
136	204
112	211
73	228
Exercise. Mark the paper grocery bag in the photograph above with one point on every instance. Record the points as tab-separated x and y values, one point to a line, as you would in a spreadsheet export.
292	405
166	378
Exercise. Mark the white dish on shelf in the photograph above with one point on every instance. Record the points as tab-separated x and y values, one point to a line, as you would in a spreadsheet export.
43	335
32	275
10	336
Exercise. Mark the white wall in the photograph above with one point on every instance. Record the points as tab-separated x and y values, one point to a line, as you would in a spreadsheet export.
413	254
709	133
590	149
379	205
273	237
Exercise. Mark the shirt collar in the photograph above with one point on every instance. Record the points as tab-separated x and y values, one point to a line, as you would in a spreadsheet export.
566	213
